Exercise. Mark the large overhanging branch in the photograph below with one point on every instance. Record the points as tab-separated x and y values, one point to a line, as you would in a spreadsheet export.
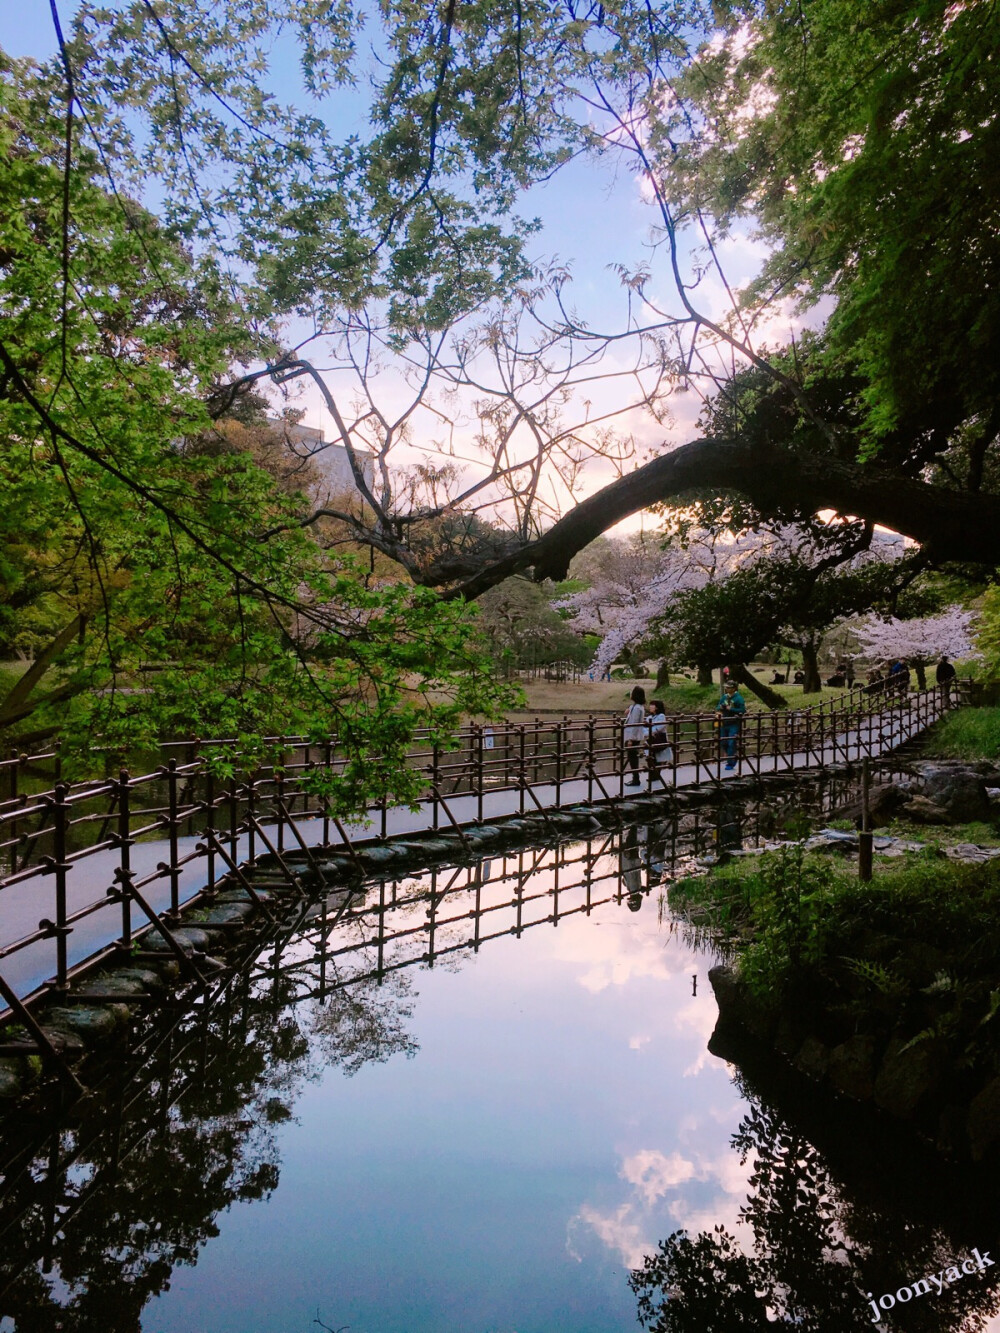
951	525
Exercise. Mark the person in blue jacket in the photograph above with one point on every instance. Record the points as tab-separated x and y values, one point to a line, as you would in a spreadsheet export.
730	711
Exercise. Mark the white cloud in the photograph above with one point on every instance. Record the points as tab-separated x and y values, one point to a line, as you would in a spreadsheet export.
618	1232
653	1174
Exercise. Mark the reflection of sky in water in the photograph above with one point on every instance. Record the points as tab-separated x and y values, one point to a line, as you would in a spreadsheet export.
561	1116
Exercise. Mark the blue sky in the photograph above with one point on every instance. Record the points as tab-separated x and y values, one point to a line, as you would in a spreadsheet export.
592	212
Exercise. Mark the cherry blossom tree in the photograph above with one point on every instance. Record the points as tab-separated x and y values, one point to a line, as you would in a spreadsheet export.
919	641
634	583
634	586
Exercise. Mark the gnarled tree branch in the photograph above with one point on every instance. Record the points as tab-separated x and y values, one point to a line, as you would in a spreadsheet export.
952	525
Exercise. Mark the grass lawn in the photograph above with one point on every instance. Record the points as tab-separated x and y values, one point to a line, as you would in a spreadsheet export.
10	674
969	733
681	696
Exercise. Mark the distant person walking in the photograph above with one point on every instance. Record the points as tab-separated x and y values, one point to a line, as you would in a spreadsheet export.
634	734
899	678
944	675
730	709
876	682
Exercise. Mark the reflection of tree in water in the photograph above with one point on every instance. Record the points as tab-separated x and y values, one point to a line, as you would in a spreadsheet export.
98	1212
365	1023
817	1249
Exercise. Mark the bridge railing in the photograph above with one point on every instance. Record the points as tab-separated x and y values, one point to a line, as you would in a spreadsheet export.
87	867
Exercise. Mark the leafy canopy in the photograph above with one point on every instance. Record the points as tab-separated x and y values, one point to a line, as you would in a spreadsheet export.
165	589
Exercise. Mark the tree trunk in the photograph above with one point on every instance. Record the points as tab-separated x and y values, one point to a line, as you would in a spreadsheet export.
763	692
810	666
635	664
662	676
704	675
958	524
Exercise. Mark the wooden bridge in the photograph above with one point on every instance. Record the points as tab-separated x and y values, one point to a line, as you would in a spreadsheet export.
94	871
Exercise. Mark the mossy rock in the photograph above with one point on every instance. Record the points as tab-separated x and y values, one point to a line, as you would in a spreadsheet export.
190	938
151	981
238	896
907	1077
851	1069
383	853
224	914
813	1058
89	1022
438	847
115	983
984	1121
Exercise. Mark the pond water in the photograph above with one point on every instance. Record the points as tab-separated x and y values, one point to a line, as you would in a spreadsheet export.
473	1105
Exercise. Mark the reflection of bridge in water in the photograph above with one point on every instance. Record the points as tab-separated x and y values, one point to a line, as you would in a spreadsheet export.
98	1206
98	869
394	924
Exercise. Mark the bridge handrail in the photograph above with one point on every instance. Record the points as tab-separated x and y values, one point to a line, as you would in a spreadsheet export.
183	807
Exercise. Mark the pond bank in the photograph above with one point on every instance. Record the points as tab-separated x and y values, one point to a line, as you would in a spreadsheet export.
883	992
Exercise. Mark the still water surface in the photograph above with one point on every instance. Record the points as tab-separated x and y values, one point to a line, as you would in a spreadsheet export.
556	1113
487	1144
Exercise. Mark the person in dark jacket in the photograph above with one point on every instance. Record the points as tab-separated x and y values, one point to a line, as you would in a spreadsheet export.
944	674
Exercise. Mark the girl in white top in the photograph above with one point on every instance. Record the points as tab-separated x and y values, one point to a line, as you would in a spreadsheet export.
634	734
656	724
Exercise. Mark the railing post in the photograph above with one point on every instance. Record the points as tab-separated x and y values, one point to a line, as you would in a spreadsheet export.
808	742
234	837
790	737
435	764
210	827
328	765
60	816
865	837
14	767
279	782
590	757
125	855
173	867
481	766
251	813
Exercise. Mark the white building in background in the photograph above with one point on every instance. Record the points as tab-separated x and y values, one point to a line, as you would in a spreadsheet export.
329	460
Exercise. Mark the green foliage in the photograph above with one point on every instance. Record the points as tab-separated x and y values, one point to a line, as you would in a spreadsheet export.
915	952
785	899
166	590
775	600
988	638
864	160
968	733
692	1272
880	978
522	628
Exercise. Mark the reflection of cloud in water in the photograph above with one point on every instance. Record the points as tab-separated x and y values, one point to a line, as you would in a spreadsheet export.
616	1230
653	1174
615	954
700	1019
721	1185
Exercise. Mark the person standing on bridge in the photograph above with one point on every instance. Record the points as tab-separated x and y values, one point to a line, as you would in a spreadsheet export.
634	734
731	709
661	752
944	675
